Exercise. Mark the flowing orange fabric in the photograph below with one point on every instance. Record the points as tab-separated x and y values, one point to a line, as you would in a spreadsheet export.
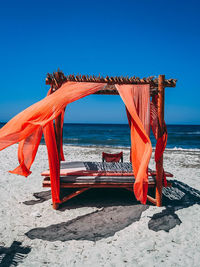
27	150
61	136
62	157
129	123
44	111
141	100
54	164
27	126
161	141
161	145
141	147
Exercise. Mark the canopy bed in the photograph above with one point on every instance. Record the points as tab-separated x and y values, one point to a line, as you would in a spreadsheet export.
144	102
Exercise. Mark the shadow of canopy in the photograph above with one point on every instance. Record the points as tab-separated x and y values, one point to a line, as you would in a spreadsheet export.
117	210
179	196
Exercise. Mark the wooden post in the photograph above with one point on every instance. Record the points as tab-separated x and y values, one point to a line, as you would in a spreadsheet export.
55	206
159	164
58	141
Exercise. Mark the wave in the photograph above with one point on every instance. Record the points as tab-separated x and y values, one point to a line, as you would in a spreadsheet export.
71	139
183	149
195	133
185	133
100	146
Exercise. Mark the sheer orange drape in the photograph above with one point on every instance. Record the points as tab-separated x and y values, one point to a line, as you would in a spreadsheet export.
62	157
161	141
136	99
27	126
141	99
27	150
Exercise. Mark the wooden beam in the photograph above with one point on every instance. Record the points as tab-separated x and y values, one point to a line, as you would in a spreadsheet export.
159	164
74	194
55	206
152	200
58	78
47	183
153	91
70	196
58	140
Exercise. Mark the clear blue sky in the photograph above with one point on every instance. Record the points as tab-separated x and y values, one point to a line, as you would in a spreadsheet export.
142	38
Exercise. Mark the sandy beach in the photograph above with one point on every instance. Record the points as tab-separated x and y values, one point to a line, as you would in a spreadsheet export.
99	227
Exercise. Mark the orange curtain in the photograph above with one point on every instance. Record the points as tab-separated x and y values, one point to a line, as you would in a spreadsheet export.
61	136
28	125
62	157
141	147
27	150
54	164
161	141
26	128
39	114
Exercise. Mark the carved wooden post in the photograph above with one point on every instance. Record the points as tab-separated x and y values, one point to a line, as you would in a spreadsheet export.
159	164
58	140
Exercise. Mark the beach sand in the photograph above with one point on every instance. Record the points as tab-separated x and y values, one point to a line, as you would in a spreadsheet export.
99	227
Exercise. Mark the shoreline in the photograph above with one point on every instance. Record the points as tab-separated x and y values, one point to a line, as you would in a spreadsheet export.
179	149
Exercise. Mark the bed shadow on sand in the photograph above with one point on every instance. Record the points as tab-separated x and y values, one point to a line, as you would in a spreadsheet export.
40	198
94	226
13	255
179	196
117	210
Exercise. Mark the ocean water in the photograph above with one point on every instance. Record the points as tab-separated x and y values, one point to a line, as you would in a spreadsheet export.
118	135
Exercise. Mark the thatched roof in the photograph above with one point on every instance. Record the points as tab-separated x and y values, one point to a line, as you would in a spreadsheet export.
58	78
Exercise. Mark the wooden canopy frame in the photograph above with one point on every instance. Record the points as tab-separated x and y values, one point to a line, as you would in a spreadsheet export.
157	87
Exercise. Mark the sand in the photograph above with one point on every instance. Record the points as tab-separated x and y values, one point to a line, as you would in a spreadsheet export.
100	227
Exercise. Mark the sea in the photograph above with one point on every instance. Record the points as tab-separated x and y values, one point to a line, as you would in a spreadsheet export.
118	135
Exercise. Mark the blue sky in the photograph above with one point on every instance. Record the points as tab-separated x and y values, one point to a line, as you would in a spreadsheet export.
139	38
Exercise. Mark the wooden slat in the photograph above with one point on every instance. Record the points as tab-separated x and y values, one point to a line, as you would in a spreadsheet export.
151	199
47	183
153	91
98	169
91	173
74	194
103	179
